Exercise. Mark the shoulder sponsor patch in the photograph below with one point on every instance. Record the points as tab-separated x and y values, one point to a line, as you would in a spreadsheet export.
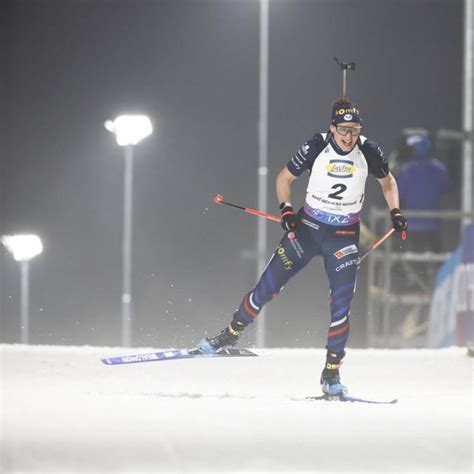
350	249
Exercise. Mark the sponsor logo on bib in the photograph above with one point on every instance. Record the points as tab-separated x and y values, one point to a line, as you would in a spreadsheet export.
341	168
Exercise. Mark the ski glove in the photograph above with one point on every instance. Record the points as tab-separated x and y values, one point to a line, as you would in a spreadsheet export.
398	220
289	220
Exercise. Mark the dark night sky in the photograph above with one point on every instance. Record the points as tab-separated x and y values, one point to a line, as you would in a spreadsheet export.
192	66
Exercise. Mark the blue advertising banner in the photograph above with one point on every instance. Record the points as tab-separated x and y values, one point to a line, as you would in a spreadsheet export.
465	300
452	307
442	327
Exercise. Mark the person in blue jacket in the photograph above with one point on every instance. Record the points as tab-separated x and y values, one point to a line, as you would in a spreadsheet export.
338	163
422	182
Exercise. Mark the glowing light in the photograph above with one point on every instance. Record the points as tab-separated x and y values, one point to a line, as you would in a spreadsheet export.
23	246
129	129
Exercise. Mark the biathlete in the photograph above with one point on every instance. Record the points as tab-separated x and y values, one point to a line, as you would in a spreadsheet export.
327	225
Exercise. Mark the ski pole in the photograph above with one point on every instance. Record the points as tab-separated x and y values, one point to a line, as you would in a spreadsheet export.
379	242
219	199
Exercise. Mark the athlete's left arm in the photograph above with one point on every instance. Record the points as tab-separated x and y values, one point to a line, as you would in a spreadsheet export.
390	191
378	166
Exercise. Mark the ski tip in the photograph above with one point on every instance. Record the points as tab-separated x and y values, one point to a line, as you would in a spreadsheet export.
218	198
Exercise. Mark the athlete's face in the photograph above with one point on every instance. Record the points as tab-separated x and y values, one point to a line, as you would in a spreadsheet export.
346	134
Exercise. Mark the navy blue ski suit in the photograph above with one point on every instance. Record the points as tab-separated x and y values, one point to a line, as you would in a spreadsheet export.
334	236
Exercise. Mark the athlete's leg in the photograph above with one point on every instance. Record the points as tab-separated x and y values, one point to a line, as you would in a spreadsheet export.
341	263
289	258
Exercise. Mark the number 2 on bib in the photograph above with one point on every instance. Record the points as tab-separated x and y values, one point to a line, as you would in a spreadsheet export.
340	188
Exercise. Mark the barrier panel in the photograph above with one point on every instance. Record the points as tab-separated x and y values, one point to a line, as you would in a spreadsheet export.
452	307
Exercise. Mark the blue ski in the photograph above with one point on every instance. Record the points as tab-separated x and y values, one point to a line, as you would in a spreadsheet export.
348	398
174	354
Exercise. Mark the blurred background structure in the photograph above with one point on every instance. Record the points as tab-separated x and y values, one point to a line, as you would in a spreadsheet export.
193	67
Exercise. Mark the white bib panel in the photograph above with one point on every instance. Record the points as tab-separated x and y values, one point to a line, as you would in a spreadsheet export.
336	187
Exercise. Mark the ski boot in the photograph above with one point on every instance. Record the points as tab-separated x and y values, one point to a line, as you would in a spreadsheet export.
330	381
227	338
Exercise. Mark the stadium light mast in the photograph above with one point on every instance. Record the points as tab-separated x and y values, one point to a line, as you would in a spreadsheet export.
262	157
468	112
24	247
129	130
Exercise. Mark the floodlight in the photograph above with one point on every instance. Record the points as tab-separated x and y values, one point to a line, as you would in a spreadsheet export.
129	129
24	247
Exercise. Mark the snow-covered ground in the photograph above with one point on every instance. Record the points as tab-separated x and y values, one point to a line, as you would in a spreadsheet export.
62	410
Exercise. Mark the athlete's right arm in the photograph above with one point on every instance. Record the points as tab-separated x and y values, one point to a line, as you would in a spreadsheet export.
302	160
289	221
283	185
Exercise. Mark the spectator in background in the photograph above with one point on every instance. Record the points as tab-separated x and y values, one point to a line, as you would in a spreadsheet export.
422	181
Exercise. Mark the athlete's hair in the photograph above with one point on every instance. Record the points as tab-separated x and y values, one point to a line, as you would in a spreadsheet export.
341	103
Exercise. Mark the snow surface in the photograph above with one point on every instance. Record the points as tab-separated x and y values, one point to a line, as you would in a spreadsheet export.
64	411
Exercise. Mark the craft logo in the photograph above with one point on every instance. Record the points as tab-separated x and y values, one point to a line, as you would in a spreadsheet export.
287	263
346	251
341	168
349	263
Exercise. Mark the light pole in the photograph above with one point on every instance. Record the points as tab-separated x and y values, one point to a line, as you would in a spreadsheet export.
467	203
24	247
129	130
262	157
